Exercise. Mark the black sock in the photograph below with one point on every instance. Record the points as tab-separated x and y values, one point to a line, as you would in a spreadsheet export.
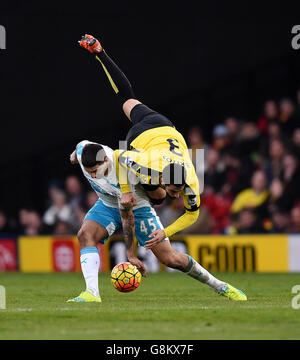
116	77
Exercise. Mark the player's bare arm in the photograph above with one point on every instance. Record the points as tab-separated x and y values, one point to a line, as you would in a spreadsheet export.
128	200
127	217
73	156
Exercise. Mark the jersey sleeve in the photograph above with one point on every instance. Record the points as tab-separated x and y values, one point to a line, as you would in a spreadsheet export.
184	221
191	202
121	172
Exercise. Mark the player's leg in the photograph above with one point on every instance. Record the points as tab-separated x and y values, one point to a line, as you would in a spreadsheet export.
133	108
89	235
116	77
100	222
185	263
147	221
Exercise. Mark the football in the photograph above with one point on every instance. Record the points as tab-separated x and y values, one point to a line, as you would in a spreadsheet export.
125	277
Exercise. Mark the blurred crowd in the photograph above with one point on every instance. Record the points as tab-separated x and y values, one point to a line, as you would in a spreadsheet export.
65	208
251	174
250	177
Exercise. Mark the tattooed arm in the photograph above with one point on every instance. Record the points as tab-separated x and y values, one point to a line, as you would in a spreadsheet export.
129	231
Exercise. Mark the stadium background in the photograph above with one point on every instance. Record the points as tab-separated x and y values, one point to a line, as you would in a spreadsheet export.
199	67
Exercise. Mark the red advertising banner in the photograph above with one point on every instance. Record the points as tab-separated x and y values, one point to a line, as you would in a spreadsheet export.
64	255
8	255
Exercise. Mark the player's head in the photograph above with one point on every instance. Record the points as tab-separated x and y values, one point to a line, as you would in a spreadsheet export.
95	161
173	179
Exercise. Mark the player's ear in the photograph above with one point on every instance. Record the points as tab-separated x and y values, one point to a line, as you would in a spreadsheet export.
161	181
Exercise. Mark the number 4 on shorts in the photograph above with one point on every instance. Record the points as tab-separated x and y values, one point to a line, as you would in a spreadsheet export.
143	227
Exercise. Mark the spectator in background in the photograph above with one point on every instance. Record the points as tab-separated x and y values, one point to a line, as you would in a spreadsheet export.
248	223
232	227
273	166
195	140
295	145
255	198
238	172
279	199
294	226
6	227
218	206
59	210
297	107
75	197
30	222
74	191
233	129
270	113
53	186
280	221
221	139
35	224
249	141
287	116
214	170
62	228
291	176
23	219
274	132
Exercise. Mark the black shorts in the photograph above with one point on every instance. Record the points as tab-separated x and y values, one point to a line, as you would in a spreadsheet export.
144	119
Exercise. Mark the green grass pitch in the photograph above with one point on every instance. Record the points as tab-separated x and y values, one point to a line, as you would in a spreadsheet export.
166	306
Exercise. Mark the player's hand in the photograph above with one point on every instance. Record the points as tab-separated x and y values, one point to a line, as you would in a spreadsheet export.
73	158
157	237
91	44
139	264
128	200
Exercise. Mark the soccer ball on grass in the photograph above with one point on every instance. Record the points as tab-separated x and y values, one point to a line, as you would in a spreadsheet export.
125	277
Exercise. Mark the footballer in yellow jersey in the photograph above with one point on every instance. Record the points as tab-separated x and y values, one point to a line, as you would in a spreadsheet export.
158	155
158	159
165	150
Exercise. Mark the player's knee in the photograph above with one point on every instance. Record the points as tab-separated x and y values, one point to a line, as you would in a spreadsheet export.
85	237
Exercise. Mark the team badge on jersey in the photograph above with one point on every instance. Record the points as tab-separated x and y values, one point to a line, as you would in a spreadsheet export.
129	162
192	200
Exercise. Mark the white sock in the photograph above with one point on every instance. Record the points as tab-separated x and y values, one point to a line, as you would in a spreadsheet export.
197	272
90	264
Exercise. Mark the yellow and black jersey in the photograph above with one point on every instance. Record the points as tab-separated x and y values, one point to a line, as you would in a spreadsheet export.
152	151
